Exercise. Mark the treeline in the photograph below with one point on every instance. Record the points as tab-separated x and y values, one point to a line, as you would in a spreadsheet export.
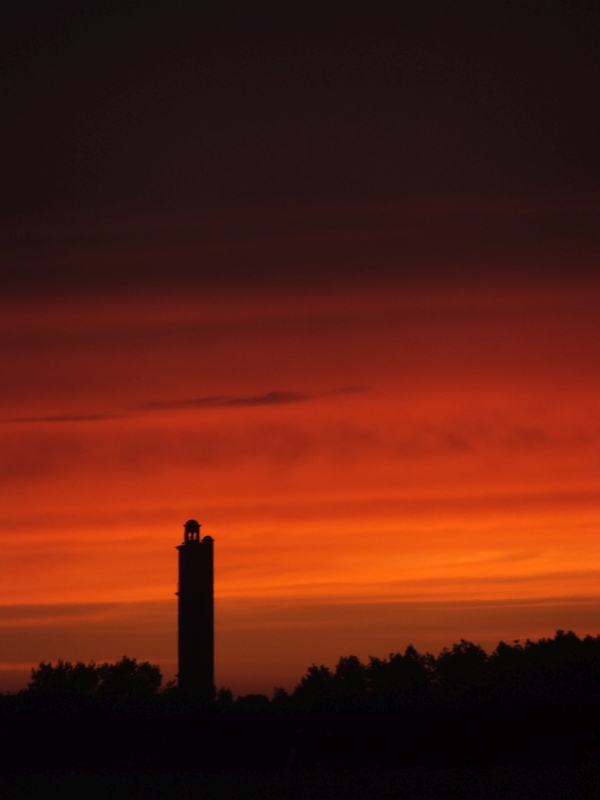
525	703
125	680
562	672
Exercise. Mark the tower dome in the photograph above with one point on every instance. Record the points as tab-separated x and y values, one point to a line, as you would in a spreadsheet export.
192	526
191	531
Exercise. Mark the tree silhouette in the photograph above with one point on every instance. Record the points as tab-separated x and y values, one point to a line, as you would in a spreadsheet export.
528	702
125	678
460	673
402	680
65	677
350	683
314	689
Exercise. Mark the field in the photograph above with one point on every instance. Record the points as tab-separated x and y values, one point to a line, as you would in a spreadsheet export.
501	783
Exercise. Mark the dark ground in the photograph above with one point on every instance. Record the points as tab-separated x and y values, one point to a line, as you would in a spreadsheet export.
503	783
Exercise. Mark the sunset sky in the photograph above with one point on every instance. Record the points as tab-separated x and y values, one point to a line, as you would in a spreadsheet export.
326	281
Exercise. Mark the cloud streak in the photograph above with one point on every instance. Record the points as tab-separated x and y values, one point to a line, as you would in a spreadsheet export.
59	418
269	399
273	398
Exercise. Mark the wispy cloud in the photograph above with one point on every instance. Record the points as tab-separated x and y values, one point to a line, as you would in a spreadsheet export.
223	401
273	398
63	418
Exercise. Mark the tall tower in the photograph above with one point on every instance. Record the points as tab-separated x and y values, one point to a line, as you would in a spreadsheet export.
196	648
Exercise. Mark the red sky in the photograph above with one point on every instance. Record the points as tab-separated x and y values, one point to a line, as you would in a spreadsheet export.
379	463
324	278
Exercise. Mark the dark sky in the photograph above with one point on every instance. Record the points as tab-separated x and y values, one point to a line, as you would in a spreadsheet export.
154	108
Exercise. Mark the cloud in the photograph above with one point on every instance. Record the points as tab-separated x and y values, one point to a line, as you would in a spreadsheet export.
273	398
220	401
383	451
40	613
62	418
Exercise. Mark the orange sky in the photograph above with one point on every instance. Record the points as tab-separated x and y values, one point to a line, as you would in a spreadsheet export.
379	462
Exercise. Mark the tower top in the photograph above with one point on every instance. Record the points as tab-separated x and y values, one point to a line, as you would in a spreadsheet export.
191	531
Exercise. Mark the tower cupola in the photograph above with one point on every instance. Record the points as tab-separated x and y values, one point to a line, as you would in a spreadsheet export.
191	531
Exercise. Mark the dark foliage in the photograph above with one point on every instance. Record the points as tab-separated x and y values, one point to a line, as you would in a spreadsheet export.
126	679
528	703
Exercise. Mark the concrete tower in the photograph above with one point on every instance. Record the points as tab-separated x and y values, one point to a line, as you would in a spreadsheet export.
196	648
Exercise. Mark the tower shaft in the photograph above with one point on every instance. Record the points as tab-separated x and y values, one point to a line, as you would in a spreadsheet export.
196	617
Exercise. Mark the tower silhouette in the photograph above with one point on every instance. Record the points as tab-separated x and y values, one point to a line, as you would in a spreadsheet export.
196	614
